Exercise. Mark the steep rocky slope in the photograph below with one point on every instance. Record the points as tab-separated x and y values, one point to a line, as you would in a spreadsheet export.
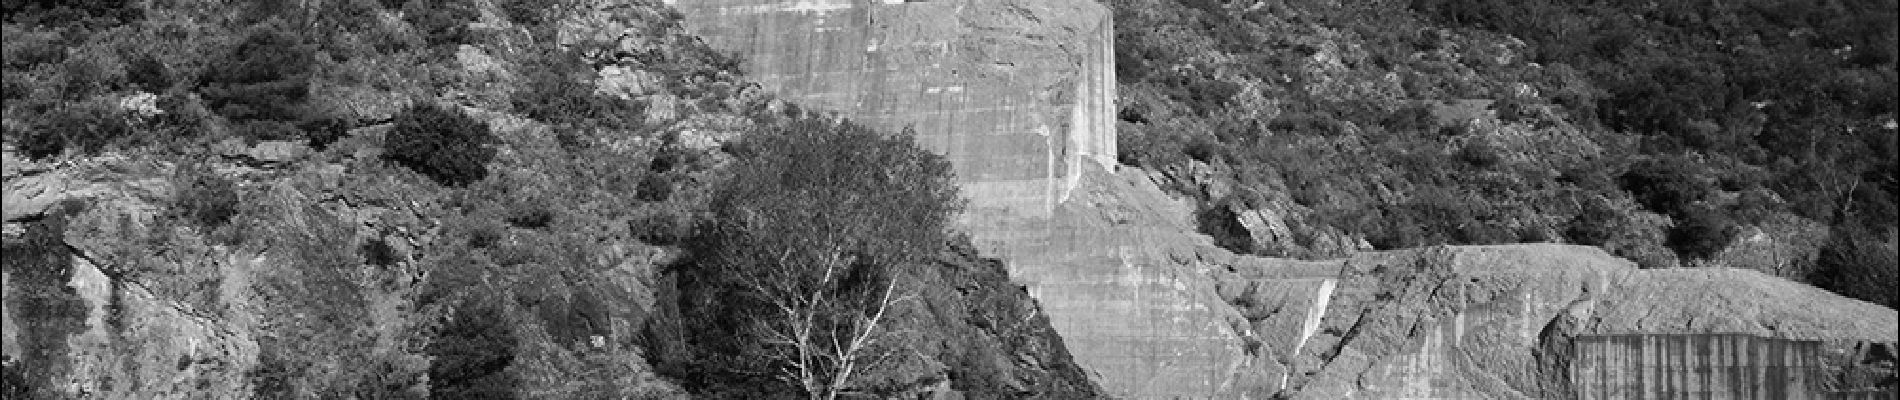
228	266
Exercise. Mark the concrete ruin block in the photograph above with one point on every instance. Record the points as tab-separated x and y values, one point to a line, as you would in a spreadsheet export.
1019	95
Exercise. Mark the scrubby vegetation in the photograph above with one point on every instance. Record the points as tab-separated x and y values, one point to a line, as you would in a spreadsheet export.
445	145
1665	133
400	202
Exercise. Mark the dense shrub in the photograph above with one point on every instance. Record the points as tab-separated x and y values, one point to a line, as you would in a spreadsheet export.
470	352
81	128
322	132
1701	233
378	252
559	89
441	22
442	143
204	197
146	72
63	12
266	78
1861	264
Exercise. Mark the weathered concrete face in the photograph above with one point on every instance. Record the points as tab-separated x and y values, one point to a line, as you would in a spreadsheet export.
1720	366
1017	94
1553	321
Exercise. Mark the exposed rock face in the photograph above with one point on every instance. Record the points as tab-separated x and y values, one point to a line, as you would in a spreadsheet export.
79	323
982	335
1544	321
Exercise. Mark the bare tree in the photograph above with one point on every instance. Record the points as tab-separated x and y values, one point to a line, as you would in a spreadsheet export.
809	238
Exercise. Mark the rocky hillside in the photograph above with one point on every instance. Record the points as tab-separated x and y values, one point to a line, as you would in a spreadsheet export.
581	199
1754	134
401	200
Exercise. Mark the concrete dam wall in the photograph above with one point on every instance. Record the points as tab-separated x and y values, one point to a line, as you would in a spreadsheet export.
1019	95
1707	366
1018	118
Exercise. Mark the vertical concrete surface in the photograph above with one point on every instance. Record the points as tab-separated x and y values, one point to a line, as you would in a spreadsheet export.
1695	366
1019	95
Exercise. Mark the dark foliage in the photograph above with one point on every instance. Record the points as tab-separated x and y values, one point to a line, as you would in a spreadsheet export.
470	352
560	90
13	381
204	197
267	77
1224	226
806	198
70	12
322	132
654	187
39	267
525	12
1670	186
441	22
661	228
442	143
1701	233
80	128
1713	115
1860	263
531	218
1794	87
377	252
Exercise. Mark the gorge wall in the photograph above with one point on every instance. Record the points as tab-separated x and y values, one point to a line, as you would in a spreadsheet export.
1019	94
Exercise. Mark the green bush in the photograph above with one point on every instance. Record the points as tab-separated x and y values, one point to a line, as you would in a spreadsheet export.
1701	233
64	12
204	197
559	89
81	128
470	353
444	144
441	22
661	228
378	252
148	73
1861	264
266	76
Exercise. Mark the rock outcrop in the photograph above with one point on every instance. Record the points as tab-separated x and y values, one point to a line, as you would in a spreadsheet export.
1548	321
87	316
